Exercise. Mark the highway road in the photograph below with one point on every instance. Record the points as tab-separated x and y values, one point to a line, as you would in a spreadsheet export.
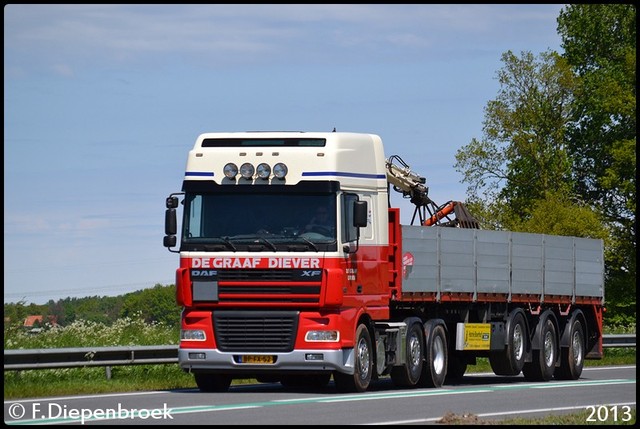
601	391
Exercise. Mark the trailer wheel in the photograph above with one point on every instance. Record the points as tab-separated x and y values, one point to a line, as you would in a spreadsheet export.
363	365
212	382
409	374
511	360
543	364
572	357
434	369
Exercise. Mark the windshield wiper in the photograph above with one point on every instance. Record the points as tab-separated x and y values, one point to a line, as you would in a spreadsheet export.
309	242
270	244
229	243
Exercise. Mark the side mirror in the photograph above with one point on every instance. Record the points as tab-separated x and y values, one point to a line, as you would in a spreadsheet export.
172	202
360	214
170	222
169	241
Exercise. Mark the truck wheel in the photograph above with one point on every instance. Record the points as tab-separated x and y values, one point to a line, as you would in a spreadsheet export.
363	365
434	369
572	357
213	382
511	360
408	374
543	364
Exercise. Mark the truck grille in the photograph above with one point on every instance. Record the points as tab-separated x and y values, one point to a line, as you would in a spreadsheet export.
269	286
273	331
264	275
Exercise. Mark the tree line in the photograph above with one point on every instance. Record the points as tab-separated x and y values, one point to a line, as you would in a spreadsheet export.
152	305
558	150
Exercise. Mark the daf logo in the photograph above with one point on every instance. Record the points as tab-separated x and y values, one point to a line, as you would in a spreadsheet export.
204	273
313	273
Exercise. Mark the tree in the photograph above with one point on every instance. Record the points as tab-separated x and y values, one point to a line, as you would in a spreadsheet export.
522	154
557	214
558	147
600	45
155	305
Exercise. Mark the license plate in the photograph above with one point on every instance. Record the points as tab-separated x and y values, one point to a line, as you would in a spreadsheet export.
268	359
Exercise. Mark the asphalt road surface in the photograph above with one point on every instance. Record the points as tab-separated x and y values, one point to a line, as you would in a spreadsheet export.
601	391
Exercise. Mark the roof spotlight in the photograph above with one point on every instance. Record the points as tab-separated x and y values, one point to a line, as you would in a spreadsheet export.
247	170
264	170
230	170
280	170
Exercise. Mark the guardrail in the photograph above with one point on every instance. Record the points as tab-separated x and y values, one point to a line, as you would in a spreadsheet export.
619	340
88	356
22	359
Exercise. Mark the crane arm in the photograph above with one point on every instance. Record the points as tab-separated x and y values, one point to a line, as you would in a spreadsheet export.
414	186
407	182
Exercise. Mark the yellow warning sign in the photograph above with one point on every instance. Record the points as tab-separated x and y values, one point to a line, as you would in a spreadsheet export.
477	336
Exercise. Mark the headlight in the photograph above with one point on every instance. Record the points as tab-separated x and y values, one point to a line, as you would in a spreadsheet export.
264	171
192	335
322	336
280	170
247	170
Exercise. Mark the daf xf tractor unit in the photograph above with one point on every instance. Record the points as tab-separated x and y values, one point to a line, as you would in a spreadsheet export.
269	292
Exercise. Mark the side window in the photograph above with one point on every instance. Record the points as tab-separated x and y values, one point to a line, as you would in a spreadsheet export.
367	233
349	232
193	227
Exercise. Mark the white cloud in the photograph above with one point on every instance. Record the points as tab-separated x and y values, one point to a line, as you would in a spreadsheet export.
218	34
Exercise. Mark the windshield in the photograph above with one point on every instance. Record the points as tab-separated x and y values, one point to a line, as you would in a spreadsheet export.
259	221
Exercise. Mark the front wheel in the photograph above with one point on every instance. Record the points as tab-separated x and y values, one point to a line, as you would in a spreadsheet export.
363	365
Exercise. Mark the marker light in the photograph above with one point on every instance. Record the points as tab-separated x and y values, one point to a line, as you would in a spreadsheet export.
264	170
247	170
230	170
280	170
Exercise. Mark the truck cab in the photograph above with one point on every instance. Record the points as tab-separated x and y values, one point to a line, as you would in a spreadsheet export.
252	260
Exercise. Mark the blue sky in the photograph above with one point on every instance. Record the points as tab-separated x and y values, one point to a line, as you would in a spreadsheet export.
103	102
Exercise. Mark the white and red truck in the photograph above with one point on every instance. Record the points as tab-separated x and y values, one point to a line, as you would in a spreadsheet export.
268	293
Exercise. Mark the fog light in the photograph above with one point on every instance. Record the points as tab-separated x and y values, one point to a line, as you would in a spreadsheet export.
200	356
314	356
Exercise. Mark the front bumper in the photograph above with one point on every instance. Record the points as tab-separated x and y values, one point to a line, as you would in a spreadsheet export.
213	360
